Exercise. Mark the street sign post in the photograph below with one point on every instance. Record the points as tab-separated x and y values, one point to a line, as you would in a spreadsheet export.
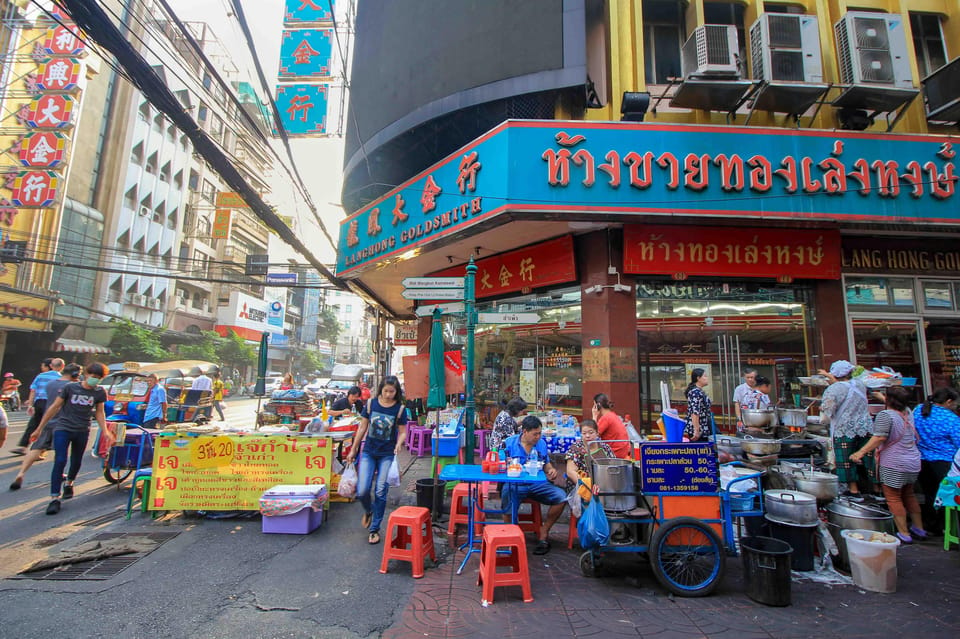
508	318
432	282
445	309
432	293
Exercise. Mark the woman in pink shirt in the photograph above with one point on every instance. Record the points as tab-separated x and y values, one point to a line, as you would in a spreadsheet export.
611	426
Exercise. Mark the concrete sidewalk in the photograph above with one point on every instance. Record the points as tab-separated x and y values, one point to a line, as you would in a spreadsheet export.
627	600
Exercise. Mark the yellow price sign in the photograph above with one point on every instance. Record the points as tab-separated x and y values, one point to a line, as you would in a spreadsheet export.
210	452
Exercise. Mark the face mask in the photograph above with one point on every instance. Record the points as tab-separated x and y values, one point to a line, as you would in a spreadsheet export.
93	381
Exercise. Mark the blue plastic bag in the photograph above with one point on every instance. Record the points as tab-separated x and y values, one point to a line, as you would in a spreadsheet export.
593	527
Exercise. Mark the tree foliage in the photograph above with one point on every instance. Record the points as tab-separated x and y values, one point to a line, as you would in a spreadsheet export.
328	326
234	352
132	342
205	349
307	362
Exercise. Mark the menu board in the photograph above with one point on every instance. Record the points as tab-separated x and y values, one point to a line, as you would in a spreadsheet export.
678	468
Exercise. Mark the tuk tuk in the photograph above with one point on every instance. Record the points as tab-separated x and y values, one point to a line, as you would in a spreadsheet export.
129	387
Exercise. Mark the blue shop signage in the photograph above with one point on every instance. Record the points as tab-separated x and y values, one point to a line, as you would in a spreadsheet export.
678	468
576	168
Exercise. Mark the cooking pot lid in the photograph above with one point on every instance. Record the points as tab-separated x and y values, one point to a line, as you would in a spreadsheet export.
847	508
815	475
792	496
784	522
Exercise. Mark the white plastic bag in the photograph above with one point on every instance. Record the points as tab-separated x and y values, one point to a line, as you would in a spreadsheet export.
393	475
576	504
632	434
348	482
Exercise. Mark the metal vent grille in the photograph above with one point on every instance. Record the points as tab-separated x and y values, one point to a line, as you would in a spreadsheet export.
846	59
102	568
876	66
787	66
756	49
714	48
871	33
785	32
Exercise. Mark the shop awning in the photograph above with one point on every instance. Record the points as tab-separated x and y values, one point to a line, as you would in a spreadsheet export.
64	345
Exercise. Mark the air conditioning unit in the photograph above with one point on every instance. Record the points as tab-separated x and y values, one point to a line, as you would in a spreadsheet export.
144	211
785	47
712	52
154	303
136	299
873	50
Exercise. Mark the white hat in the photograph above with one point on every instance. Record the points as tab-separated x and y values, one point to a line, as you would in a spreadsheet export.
841	368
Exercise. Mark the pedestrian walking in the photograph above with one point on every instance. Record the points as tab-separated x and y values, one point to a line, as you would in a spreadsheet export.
218	395
75	406
156	403
37	400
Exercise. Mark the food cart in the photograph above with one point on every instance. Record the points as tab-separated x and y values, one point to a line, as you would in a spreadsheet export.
682	519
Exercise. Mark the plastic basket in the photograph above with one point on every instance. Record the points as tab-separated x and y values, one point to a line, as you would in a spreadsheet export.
740	502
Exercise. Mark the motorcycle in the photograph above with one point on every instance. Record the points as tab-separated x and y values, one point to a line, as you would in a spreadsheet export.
10	400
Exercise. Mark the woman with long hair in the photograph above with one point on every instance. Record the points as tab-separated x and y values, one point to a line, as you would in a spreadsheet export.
699	414
610	425
383	429
938	428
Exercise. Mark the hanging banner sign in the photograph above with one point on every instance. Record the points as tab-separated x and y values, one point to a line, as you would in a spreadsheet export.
59	74
220	230
405	335
303	108
43	149
50	112
306	53
742	252
550	262
61	41
35	189
299	13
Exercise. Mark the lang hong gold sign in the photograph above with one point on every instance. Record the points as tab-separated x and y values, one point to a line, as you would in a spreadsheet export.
864	257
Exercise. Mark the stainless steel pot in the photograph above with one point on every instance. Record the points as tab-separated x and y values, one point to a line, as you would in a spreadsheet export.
793	417
759	418
791	506
843	514
760	447
824	486
729	445
615	476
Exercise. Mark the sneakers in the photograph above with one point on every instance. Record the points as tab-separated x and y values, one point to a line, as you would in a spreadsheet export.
904	539
919	533
857	497
54	507
67	491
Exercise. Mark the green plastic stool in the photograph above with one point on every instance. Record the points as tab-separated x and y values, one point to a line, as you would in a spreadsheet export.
147	480
951	534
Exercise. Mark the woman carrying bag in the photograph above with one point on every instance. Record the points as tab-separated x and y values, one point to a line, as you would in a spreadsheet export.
383	429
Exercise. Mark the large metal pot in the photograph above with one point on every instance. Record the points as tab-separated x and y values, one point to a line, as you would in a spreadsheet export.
760	447
793	417
615	476
824	486
791	506
729	445
843	514
759	417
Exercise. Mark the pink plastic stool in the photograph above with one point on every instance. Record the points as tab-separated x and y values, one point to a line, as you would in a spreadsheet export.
481	441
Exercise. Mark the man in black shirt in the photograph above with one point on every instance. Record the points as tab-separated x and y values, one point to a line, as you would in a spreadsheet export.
344	405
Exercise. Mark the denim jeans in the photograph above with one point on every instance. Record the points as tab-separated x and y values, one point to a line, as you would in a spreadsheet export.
365	469
77	441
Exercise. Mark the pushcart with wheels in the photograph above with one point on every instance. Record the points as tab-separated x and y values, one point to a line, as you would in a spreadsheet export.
683	523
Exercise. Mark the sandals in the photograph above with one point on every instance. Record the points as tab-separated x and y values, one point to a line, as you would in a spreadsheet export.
919	533
367	518
542	547
904	539
373	538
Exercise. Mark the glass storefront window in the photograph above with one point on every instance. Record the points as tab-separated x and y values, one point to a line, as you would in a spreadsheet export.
937	296
879	293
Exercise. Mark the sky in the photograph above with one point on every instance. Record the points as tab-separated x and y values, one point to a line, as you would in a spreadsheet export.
319	160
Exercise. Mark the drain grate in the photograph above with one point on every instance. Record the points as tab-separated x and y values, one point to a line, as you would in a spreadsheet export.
103	519
102	568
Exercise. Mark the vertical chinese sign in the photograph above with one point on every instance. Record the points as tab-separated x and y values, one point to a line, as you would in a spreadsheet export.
306	61
43	101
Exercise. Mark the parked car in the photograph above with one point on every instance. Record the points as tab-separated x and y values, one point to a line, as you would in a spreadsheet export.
316	386
272	384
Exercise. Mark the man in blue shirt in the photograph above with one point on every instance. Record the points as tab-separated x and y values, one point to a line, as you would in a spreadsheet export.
529	445
37	401
156	403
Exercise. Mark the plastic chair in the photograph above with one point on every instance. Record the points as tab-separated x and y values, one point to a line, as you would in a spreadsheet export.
418	441
459	513
495	538
572	533
481	436
531	522
950	533
145	476
409	526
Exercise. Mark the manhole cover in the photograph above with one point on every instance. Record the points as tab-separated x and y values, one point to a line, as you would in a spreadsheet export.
100	568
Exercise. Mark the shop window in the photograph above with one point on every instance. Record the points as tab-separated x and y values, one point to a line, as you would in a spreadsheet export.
928	42
663	36
937	296
880	293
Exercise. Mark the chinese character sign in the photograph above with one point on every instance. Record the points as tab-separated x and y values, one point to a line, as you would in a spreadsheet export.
35	189
58	74
303	108
43	148
306	53
298	13
50	112
61	41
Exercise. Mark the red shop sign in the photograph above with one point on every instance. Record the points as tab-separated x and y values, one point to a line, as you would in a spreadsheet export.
61	40
42	148
534	266
59	74
50	112
35	189
684	251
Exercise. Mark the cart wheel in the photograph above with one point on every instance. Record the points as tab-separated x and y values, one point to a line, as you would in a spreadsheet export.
116	475
588	564
687	557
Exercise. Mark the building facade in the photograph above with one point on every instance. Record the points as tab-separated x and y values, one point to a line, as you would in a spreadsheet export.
648	187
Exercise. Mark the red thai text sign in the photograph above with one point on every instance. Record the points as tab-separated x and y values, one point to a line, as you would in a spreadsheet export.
749	252
550	262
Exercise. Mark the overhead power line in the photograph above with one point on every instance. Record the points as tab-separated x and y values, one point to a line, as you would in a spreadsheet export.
90	17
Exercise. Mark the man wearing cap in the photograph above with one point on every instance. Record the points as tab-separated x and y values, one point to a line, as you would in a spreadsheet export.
37	401
844	407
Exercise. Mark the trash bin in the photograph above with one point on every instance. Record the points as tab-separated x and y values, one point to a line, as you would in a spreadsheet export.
673	426
873	564
766	569
430	494
802	538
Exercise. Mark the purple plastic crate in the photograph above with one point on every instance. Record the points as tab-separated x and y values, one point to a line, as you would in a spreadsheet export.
301	523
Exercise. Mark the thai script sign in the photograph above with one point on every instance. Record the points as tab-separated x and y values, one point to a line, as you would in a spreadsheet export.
748	252
230	472
674	468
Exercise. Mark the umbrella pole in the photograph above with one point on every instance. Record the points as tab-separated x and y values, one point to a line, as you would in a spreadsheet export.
434	451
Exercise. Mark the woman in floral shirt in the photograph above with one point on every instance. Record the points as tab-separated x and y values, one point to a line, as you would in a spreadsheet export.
577	453
938	428
699	416
506	424
844	407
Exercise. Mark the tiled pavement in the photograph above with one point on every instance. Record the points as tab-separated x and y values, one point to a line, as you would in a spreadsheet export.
627	601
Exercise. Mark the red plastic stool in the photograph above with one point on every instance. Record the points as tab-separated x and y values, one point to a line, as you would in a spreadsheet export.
458	510
533	521
495	537
409	525
572	533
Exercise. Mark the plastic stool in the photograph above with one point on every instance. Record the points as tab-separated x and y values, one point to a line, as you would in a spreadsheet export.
495	537
572	533
481	436
409	525
418	441
531	522
950	533
144	475
458	510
